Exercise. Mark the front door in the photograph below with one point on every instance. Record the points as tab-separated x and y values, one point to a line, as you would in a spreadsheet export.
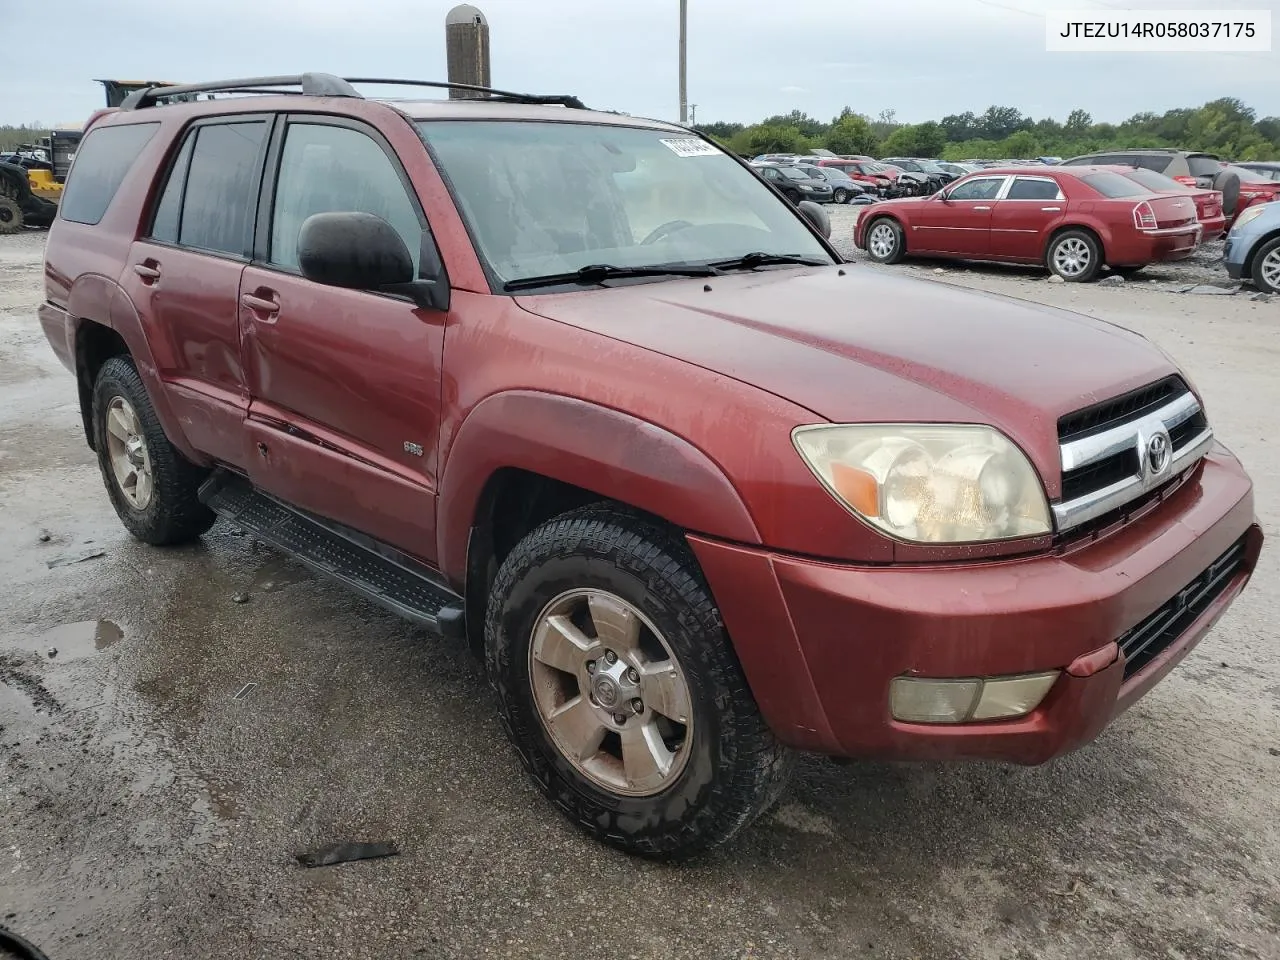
957	221
1024	216
345	409
184	275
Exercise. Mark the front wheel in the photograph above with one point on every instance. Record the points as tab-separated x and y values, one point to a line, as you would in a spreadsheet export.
151	484
1075	256
1266	267
620	690
884	241
841	195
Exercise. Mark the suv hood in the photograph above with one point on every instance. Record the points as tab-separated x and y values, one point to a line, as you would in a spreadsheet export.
870	347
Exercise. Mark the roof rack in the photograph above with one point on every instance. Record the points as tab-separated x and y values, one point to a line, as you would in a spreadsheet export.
326	85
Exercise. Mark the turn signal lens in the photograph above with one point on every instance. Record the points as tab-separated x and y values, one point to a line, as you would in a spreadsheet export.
921	700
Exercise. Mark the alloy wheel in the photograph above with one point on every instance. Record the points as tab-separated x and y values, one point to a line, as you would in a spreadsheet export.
882	241
1270	269
127	451
610	693
1072	257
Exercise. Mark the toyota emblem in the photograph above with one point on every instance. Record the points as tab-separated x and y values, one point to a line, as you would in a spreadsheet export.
1158	454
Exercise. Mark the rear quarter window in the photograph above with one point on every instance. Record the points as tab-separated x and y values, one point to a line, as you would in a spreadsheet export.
102	162
1114	186
1203	166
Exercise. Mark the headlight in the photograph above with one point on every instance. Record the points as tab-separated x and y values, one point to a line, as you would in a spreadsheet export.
1249	213
806	188
927	483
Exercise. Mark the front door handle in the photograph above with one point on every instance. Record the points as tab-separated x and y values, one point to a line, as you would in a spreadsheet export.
1051	209
261	305
147	272
982	208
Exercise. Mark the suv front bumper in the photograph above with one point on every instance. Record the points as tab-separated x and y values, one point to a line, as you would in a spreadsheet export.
821	642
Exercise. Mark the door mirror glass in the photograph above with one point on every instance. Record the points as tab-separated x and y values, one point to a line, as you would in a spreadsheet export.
814	213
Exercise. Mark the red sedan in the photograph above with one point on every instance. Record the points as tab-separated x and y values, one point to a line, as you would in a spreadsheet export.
1074	220
1213	221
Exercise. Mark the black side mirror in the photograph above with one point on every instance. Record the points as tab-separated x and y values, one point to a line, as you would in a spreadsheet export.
360	251
814	213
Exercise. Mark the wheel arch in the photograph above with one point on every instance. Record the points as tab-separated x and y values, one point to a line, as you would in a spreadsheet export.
1090	228
521	457
1252	256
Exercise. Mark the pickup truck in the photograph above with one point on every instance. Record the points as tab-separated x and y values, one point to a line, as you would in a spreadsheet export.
582	391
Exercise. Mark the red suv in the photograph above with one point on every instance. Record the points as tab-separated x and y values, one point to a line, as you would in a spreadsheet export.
612	410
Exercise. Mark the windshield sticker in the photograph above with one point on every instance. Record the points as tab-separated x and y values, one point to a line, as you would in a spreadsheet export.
690	147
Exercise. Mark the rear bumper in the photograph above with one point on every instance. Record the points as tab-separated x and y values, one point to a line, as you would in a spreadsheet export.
1154	246
1213	228
820	642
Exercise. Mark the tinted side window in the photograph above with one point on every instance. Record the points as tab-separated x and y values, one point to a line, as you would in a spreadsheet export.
1027	189
103	160
1153	161
984	188
328	169
169	210
220	197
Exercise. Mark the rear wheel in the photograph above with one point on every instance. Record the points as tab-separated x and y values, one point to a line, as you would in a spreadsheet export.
11	218
1266	267
151	484
884	241
620	690
1075	256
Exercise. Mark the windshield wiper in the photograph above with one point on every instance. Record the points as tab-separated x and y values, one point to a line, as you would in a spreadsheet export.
596	273
749	261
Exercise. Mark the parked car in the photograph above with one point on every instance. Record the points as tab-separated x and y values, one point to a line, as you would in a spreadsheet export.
908	183
1267	169
1213	222
937	177
1074	220
1252	250
959	170
1193	169
794	184
868	172
843	187
701	495
1246	187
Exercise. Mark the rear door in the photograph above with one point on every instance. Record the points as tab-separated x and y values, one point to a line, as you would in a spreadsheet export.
1024	216
957	221
184	276
346	384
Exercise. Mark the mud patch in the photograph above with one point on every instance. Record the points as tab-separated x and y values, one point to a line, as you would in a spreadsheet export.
14	674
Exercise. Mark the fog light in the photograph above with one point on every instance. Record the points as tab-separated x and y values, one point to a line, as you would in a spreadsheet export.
921	700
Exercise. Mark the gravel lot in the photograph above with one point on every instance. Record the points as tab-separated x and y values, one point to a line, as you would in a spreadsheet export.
147	812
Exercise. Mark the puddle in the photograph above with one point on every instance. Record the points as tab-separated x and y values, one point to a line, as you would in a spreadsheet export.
279	573
75	641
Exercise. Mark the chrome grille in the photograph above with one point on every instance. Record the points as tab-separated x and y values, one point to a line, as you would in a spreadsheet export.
1115	452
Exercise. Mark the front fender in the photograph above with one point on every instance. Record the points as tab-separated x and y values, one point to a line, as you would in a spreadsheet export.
608	452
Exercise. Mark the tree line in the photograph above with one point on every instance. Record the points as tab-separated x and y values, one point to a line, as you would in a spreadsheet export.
12	137
1226	127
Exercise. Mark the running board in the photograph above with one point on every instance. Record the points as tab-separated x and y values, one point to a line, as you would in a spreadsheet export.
369	567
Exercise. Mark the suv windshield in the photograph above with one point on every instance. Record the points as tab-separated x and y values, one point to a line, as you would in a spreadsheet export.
551	198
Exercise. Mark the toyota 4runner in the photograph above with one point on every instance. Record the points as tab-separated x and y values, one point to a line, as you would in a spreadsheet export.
581	389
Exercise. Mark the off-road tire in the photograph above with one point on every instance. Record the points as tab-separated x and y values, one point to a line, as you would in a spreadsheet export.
1095	262
1259	259
174	514
736	770
899	249
11	217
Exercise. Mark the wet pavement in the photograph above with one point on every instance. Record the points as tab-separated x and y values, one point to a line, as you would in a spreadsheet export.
165	753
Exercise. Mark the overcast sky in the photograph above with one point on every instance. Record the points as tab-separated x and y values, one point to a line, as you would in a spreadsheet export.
747	58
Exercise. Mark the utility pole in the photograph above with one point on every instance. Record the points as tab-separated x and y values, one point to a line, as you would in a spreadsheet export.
684	39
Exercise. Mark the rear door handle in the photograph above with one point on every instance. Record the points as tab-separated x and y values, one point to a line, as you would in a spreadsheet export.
982	208
149	274
260	304
1051	209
